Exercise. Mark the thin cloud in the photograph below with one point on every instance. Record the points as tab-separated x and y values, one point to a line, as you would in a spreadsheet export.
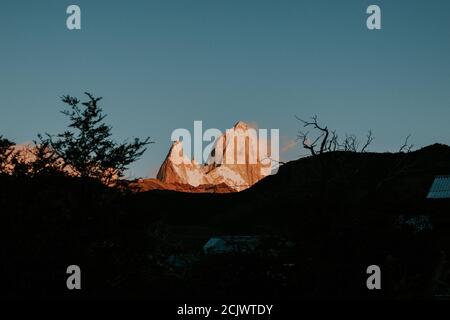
289	144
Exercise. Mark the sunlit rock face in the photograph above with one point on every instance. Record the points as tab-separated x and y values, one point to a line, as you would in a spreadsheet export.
177	168
234	162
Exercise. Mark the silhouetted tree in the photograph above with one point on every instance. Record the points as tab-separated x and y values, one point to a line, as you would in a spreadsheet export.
46	160
41	160
87	147
5	153
406	147
327	141
350	143
368	141
309	144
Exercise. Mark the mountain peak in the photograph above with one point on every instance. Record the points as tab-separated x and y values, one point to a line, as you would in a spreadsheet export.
179	169
176	151
241	125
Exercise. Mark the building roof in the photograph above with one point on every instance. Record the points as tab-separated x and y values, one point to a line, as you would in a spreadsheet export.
228	244
440	189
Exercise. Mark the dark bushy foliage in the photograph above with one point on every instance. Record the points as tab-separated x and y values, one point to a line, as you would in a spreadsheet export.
5	152
88	148
339	210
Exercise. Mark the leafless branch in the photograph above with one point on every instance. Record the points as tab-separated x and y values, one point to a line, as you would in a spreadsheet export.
350	143
368	141
406	147
329	140
324	136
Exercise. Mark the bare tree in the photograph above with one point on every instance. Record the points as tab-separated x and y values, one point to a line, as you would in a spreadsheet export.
368	141
350	143
323	137
328	141
333	142
406	147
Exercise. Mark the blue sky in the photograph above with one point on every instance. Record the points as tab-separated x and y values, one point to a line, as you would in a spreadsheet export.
160	65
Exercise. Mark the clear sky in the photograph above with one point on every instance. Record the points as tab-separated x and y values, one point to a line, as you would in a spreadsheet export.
160	65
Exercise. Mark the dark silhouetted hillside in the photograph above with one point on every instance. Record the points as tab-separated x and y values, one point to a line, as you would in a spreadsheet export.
322	221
